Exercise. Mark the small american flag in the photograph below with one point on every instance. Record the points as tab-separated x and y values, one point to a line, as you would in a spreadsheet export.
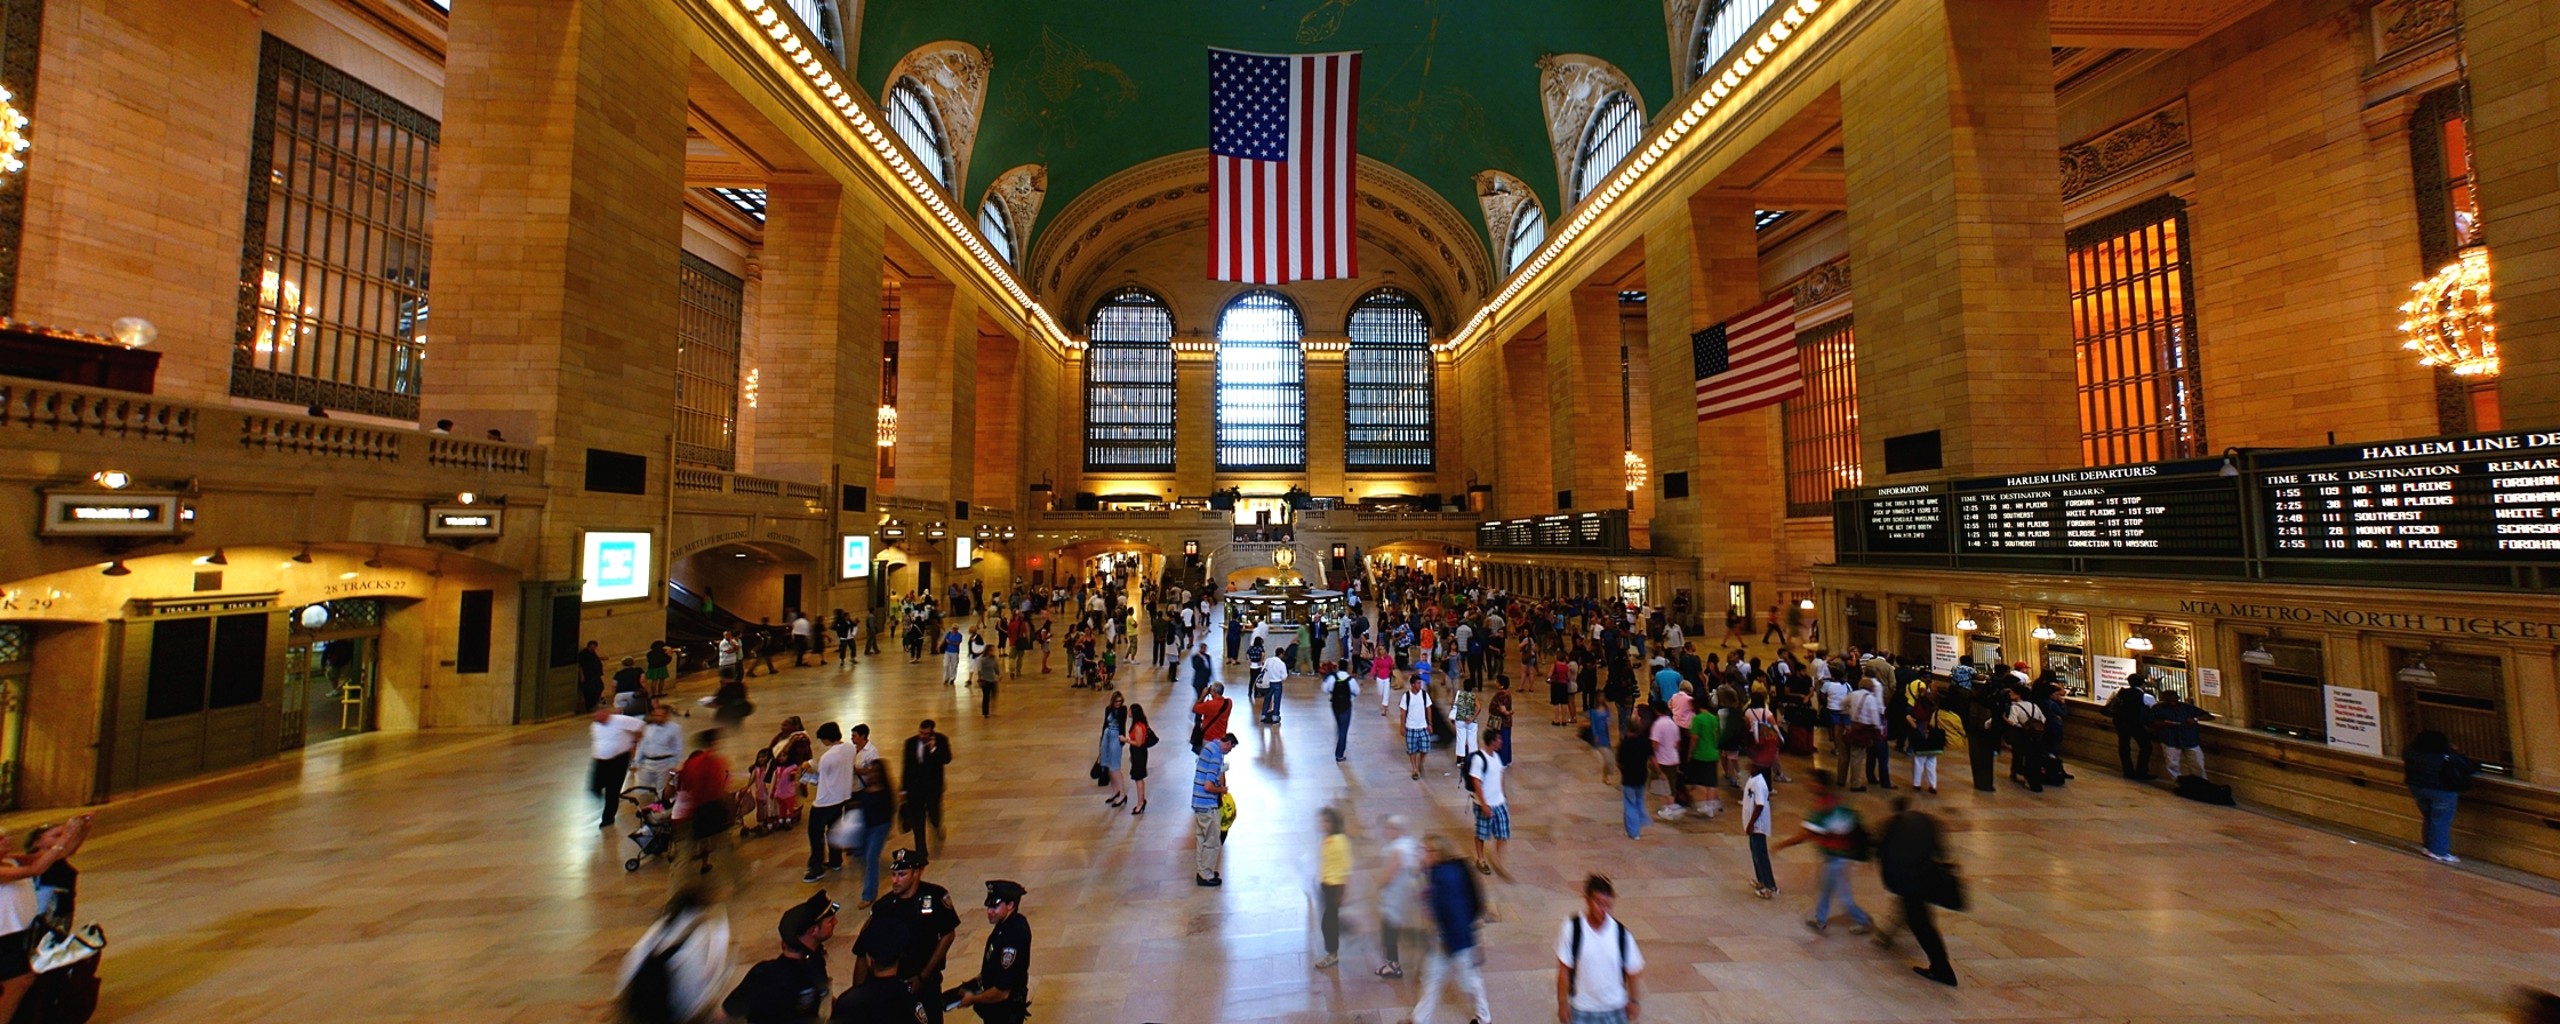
1749	361
1281	160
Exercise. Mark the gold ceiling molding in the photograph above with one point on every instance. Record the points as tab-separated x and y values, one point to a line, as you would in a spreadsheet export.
2124	149
1079	249
1503	196
954	73
1570	87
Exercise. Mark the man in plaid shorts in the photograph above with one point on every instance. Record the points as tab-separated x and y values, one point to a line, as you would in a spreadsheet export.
1493	810
1417	722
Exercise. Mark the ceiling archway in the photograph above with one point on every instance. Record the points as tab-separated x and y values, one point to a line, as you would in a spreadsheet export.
1432	250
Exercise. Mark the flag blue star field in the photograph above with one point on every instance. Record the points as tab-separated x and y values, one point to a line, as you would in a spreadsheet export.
1281	155
1749	361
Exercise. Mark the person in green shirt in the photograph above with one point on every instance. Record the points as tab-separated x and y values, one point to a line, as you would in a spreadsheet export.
1704	756
1833	827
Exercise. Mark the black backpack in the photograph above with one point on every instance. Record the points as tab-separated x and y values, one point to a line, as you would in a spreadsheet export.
1467	772
1573	968
1341	693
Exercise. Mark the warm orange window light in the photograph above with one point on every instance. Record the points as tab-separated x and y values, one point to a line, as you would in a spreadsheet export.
2133	338
1822	422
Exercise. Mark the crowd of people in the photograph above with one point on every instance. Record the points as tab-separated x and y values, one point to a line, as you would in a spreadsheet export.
1678	726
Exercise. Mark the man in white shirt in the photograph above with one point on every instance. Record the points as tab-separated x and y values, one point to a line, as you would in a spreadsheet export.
1416	702
1755	823
804	634
1274	672
729	653
834	794
611	739
1597	962
1866	707
661	743
1493	810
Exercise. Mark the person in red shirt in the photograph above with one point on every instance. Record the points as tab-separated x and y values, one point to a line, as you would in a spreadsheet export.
704	812
1212	713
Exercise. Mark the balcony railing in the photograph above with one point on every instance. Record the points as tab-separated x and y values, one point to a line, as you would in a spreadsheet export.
705	480
65	414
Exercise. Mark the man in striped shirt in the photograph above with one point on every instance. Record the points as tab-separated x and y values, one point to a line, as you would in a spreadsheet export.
1208	783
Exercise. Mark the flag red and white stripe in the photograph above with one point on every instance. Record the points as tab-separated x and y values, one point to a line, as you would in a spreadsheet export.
1750	361
1282	157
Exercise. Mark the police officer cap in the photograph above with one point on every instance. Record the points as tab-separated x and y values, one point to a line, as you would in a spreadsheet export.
906	860
1002	891
806	915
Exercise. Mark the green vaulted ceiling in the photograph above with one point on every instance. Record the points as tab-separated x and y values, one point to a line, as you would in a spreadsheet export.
1091	87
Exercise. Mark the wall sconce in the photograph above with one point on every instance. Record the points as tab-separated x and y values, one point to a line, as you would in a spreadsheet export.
303	556
1967	625
112	479
115	568
2137	642
2258	655
2043	633
216	558
1805	605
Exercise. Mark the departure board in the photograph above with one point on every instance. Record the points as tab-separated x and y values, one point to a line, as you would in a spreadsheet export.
2174	509
1904	520
2486	498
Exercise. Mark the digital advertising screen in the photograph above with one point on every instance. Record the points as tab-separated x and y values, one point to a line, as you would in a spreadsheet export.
616	566
855	557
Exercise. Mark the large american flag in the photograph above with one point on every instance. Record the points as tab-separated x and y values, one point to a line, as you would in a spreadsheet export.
1280	165
1749	361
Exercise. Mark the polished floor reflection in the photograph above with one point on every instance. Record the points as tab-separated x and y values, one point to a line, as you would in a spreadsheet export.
459	876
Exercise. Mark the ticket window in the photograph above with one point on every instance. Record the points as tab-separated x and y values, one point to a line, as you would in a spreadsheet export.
2459	695
1918	620
2062	641
1982	643
2284	677
2167	658
1861	613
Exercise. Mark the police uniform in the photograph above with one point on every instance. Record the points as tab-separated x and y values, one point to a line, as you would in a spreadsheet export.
926	917
1007	965
786	989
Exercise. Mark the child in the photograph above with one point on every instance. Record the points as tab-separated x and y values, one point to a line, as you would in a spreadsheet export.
1604	742
760	786
786	793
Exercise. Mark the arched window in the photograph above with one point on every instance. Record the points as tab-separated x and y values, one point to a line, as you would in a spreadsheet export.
912	116
1128	383
1528	232
995	224
1615	128
1387	384
1721	27
1262	384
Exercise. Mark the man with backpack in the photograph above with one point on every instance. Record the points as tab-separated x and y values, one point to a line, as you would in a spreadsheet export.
1484	770
1340	690
2130	710
1597	962
1416	704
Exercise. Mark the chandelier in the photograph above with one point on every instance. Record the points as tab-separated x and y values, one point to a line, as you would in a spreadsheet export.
13	134
888	426
2449	318
1637	472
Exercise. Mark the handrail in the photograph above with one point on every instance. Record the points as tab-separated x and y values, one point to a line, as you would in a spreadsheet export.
707	480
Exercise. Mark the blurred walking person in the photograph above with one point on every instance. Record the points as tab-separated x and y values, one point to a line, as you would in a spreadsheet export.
1456	907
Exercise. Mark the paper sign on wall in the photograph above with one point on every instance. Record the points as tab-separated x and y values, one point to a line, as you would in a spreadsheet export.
1942	653
2109	675
2210	681
2355	719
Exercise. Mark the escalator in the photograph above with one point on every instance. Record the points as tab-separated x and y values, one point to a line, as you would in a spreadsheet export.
694	625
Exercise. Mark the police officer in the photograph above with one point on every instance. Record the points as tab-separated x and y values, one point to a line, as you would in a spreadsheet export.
789	988
879	994
928	921
1001	993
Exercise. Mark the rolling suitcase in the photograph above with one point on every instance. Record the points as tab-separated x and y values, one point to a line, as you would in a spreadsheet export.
1799	739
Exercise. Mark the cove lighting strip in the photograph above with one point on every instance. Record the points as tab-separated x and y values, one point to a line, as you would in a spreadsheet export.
1789	20
815	71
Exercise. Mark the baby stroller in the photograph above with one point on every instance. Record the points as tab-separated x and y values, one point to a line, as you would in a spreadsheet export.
655	836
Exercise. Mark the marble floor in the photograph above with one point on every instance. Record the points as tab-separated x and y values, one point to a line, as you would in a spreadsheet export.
459	876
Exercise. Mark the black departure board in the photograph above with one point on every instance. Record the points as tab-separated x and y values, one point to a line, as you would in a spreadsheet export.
1903	520
2173	509
2485	498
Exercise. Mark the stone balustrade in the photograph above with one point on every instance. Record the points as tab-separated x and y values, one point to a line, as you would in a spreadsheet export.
40	414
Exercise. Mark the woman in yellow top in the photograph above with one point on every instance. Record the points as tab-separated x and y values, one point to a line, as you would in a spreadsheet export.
1333	877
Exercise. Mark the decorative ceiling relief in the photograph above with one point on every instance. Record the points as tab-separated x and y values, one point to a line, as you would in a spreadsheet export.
1021	190
1571	86
955	75
1501	195
2142	142
1680	23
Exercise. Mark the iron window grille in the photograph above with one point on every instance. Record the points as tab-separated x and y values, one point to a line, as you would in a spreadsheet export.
1262	384
1387	398
2133	337
708	330
1128	384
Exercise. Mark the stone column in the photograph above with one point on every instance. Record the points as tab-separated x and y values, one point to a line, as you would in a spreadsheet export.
999	418
1195	421
1671	312
817	346
1955	228
558	231
1740	461
1522	479
937	391
1637	349
1327	417
1585	390
2515	154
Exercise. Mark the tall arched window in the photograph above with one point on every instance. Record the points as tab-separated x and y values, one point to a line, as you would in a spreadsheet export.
1721	27
1528	232
912	116
1262	384
1128	383
995	224
1387	382
1615	128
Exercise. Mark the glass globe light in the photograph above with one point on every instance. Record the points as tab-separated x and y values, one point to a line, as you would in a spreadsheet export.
135	332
